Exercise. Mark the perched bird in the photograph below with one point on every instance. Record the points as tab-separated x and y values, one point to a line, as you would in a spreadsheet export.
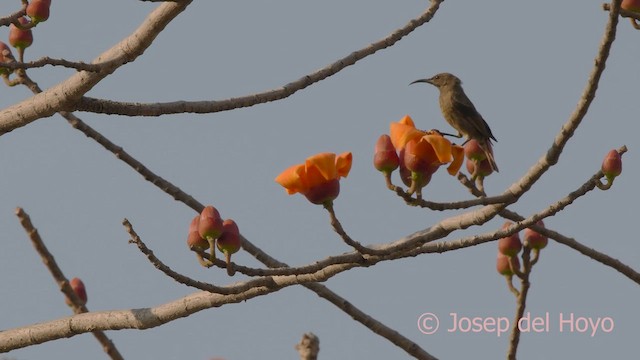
460	113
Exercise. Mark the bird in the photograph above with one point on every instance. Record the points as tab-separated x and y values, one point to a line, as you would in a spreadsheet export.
460	113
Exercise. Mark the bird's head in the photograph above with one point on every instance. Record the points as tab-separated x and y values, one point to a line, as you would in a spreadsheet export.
440	80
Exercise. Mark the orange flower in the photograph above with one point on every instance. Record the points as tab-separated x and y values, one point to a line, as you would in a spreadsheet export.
404	131
318	178
429	149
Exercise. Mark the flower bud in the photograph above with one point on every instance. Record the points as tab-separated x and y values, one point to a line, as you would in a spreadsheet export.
612	165
631	5
510	245
473	151
534	239
18	38
38	10
385	158
210	223
502	264
229	241
194	240
78	287
479	169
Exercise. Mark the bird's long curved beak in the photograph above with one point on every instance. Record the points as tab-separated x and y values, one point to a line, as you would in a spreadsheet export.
428	81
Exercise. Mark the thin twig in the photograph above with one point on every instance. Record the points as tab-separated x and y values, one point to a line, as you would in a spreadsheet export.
337	227
512	288
10	19
454	205
76	304
44	61
514	339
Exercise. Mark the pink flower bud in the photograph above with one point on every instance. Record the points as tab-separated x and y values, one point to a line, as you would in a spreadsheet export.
229	241
210	223
612	164
194	240
38	10
385	158
473	151
502	264
534	239
483	168
18	38
510	245
78	287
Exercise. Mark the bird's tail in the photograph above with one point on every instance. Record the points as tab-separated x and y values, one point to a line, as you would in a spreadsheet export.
488	151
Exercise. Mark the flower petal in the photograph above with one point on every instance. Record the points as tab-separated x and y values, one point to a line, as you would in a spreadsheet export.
343	163
321	165
458	157
407	120
441	146
402	133
292	179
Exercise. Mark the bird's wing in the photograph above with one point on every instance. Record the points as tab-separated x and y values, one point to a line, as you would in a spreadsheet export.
466	108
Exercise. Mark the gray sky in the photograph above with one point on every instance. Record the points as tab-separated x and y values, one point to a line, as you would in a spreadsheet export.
523	66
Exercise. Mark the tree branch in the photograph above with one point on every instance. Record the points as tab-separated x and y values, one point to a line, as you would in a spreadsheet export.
8	20
54	62
206	107
322	291
48	260
62	96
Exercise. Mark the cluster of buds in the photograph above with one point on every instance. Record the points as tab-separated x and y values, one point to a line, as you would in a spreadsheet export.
418	154
78	287
509	247
20	35
318	179
208	231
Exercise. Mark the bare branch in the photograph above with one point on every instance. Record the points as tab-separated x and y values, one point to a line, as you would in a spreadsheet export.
44	61
454	205
514	339
206	107
76	304
337	227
